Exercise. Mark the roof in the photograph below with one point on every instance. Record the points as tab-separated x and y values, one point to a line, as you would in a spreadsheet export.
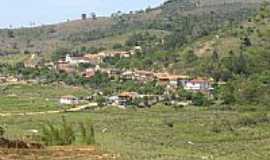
92	56
199	81
144	72
128	94
80	58
167	76
68	97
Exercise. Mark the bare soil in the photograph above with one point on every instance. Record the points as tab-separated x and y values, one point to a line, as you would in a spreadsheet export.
56	153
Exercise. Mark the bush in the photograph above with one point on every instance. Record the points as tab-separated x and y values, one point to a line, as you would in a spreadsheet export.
55	135
199	99
87	133
117	46
65	133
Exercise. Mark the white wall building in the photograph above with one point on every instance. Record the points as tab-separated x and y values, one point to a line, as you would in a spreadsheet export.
69	100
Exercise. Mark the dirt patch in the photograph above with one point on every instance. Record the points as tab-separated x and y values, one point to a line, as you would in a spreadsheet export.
204	48
56	153
18	144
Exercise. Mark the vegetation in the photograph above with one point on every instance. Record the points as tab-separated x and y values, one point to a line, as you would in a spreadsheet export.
228	44
64	133
34	97
165	133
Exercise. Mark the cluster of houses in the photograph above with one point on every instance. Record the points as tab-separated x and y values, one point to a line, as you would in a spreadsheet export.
69	63
170	81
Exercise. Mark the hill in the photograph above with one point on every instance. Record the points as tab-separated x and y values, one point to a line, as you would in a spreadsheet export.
191	18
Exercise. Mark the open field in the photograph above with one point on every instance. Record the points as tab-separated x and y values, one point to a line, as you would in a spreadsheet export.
30	98
163	133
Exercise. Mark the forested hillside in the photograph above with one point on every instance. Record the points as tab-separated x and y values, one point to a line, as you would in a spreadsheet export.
181	20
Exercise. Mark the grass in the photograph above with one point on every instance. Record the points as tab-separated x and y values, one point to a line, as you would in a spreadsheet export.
163	133
13	59
30	98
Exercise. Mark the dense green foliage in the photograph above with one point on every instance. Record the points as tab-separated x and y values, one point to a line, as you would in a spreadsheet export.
65	134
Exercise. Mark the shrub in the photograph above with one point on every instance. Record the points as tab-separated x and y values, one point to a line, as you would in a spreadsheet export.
87	133
199	99
64	134
58	135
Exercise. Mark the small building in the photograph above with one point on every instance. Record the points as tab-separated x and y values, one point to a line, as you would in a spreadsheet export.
77	60
69	100
121	54
114	100
94	59
143	76
12	79
199	85
126	98
175	81
127	75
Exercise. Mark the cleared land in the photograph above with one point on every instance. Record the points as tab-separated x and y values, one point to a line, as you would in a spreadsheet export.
35	98
164	133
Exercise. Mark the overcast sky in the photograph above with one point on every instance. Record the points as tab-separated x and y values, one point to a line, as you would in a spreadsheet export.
22	12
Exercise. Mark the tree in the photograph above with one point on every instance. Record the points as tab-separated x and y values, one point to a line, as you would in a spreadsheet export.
59	53
246	42
190	57
117	46
93	15
10	34
199	99
241	65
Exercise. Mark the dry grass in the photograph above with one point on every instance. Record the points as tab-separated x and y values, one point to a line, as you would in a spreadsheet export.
56	153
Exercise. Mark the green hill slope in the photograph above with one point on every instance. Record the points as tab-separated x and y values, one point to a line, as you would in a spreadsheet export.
190	18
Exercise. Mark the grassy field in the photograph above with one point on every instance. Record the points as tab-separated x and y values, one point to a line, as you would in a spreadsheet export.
160	133
30	98
163	133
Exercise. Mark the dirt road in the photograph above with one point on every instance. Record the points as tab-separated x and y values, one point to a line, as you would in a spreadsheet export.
76	109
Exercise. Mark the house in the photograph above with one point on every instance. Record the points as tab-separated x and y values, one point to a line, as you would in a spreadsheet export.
94	59
89	73
114	100
121	54
126	98
12	79
144	76
77	60
65	67
167	79
199	85
69	100
127	75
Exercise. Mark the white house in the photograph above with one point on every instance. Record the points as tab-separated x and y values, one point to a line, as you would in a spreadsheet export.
198	85
76	60
69	100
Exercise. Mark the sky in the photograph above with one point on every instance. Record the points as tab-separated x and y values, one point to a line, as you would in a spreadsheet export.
18	13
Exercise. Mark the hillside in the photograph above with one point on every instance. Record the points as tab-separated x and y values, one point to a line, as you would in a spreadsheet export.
190	18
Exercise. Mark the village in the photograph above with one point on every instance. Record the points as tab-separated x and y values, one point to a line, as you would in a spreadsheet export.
122	99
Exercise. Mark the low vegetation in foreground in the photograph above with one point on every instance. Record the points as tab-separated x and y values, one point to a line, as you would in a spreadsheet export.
163	133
